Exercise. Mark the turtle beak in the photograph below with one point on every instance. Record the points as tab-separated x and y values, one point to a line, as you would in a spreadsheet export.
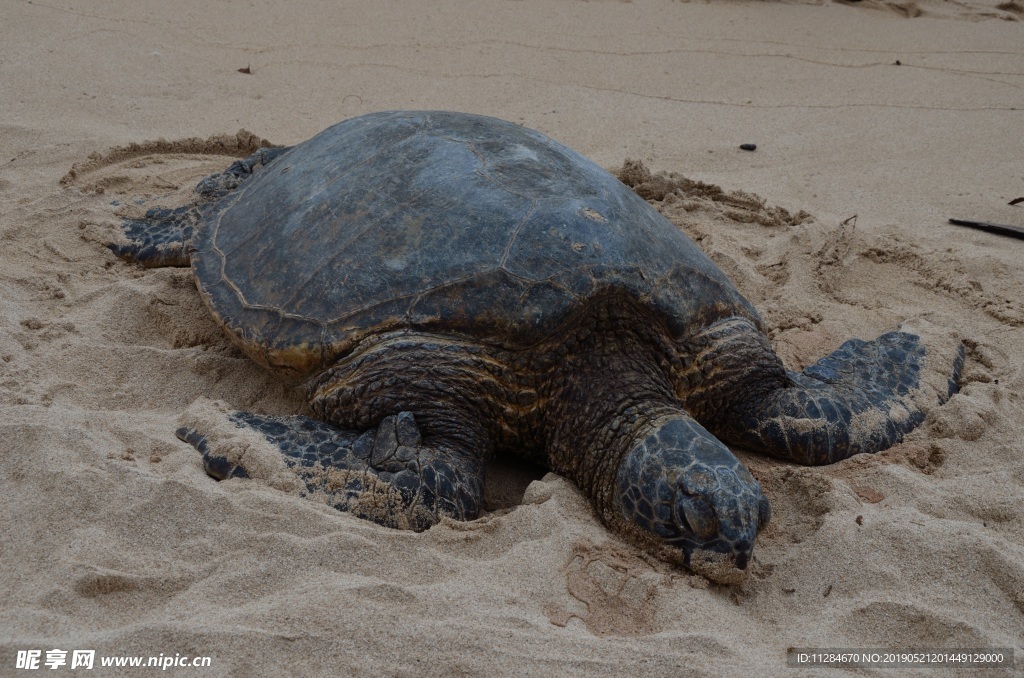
741	553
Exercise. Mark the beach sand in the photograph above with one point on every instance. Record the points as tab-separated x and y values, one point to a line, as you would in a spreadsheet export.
874	122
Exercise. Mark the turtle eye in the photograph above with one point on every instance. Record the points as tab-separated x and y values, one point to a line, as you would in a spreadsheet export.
764	512
693	513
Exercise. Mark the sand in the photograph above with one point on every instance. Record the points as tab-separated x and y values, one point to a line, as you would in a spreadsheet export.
875	122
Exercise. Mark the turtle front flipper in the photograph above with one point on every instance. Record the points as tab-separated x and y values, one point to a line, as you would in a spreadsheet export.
863	397
385	475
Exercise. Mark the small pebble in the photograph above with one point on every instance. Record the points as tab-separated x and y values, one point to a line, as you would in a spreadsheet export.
748	147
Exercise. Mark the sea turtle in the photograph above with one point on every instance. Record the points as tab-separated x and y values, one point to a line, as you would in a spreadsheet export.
449	286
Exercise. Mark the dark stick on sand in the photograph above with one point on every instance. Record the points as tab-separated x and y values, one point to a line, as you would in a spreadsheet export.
1000	229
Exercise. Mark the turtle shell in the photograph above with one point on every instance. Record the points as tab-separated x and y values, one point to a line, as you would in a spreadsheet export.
447	223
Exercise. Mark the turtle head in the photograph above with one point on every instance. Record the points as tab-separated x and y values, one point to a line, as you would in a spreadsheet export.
681	485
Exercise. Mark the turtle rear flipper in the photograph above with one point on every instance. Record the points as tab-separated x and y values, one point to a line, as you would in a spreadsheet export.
386	475
218	185
161	237
158	239
863	397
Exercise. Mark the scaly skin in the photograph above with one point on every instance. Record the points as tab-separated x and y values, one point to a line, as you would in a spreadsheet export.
385	474
161	237
617	428
863	397
603	413
617	398
682	485
614	415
